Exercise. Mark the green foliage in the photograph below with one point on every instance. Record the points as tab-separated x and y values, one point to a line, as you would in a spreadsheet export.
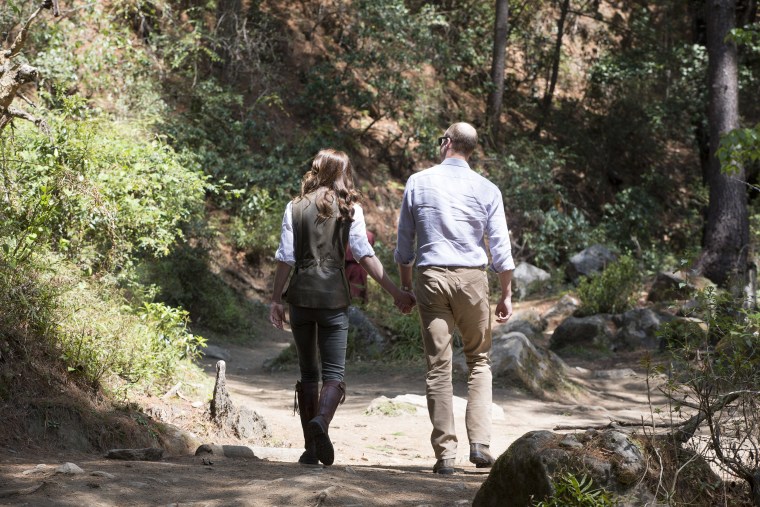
559	235
257	225
184	279
738	148
551	228
95	333
571	491
377	72
404	330
612	290
633	220
96	191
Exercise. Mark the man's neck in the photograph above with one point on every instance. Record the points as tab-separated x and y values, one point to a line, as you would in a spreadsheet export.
455	155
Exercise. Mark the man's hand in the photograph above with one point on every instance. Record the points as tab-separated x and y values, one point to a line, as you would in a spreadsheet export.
406	302
276	314
504	309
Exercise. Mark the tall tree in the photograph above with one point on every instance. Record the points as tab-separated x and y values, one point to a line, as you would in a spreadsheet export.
726	235
498	64
549	93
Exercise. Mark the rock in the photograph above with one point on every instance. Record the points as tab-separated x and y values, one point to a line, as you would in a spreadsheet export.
69	469
242	422
228	451
516	359
176	441
214	352
528	278
393	408
522	473
638	329
564	308
527	322
590	261
597	331
41	468
528	469
99	473
147	454
369	341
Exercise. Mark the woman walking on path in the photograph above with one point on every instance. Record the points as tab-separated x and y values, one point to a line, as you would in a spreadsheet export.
316	228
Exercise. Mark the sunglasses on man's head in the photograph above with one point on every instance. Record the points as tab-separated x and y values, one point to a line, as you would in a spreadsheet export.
442	139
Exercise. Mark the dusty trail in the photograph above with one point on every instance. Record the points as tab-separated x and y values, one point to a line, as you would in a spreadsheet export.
380	460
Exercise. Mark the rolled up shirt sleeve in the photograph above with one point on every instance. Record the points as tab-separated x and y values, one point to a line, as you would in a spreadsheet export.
357	236
498	236
404	253
285	252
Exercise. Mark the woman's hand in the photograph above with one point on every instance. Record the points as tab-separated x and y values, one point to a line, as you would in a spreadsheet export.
276	314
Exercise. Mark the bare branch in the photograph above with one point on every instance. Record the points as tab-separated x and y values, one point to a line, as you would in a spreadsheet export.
18	44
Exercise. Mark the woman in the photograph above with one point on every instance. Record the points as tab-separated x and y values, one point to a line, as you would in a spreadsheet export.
316	228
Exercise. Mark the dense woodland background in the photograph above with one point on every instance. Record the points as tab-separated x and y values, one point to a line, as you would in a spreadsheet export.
148	148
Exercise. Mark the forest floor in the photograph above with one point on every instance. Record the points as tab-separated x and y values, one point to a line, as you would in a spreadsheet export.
381	460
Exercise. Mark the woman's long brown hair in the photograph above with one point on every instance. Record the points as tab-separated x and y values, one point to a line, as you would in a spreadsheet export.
331	169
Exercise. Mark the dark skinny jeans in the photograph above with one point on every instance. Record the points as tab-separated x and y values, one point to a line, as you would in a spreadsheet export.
324	330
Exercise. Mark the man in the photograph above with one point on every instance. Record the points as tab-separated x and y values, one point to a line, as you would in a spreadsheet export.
449	210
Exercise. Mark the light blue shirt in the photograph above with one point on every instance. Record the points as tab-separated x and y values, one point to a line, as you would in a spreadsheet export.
357	237
450	209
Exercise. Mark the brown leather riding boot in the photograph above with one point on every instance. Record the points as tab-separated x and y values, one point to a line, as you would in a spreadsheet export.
307	396
333	394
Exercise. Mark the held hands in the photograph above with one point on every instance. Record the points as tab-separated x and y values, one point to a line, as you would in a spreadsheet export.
504	309
405	301
276	314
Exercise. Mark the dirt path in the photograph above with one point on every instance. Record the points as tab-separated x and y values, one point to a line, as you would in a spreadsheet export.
380	460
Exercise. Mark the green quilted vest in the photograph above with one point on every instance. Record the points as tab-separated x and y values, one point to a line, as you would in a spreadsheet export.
319	278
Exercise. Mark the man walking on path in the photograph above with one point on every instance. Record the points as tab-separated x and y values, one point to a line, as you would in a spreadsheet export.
447	212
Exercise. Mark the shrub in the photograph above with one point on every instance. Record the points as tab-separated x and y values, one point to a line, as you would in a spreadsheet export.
571	491
714	387
612	290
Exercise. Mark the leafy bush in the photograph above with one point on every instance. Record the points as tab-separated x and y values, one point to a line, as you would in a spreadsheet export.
183	279
97	191
612	290
548	224
571	491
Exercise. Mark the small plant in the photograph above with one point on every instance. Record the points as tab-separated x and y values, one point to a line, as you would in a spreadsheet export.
611	291
573	492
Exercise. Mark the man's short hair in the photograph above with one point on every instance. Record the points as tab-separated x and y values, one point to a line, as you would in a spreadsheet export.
464	138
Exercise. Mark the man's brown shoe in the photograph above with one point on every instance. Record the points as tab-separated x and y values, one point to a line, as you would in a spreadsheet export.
444	466
481	456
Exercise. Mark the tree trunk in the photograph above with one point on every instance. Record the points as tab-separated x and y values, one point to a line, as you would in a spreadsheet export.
498	65
549	95
726	238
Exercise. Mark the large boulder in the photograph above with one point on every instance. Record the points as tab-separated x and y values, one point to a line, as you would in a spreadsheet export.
519	362
628	467
528	469
676	286
638	329
528	278
589	261
596	331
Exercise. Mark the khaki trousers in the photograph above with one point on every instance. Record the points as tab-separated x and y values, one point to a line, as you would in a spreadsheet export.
449	298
